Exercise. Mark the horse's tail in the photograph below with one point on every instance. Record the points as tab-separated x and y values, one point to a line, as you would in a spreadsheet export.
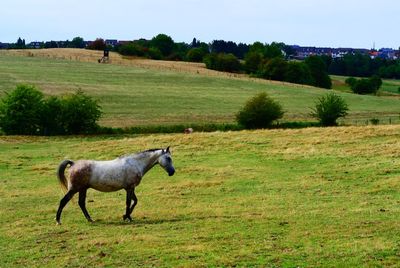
60	173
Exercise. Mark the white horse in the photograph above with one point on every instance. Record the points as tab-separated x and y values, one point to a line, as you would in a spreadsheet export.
124	172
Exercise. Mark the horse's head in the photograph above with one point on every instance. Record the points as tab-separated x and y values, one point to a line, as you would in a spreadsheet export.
165	161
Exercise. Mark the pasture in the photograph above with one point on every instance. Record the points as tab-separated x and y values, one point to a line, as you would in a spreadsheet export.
137	92
314	197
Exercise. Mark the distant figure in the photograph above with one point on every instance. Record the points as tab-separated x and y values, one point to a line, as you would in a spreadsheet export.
188	130
105	58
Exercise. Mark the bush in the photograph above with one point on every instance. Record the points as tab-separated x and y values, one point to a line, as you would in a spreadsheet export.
253	61
131	49
21	111
366	85
259	112
351	81
298	72
329	108
222	62
79	113
196	54
274	69
97	44
154	53
25	111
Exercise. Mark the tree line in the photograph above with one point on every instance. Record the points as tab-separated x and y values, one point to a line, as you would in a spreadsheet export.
269	61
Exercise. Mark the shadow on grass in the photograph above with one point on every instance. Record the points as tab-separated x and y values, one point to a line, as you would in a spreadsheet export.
155	221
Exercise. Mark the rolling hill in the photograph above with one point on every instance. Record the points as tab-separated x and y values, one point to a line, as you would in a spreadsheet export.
136	92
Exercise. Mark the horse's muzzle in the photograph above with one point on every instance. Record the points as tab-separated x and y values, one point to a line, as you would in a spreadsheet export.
171	172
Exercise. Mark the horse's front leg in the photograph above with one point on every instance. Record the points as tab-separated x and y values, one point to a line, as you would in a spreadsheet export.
134	198
128	211
82	204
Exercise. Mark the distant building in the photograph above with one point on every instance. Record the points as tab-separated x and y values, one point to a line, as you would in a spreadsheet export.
35	44
111	42
304	52
4	45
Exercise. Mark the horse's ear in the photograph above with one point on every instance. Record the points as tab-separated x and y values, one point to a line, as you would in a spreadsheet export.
167	149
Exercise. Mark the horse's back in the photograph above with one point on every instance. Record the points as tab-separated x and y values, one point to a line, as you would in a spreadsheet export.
112	175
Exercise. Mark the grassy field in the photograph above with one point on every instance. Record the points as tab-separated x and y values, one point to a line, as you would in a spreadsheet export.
136	92
315	197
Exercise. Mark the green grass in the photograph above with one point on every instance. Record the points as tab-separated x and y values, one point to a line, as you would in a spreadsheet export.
315	197
132	96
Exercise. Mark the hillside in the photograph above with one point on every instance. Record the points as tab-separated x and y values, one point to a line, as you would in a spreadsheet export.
145	92
315	197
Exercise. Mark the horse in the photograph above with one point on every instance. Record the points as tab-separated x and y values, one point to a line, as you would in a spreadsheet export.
124	172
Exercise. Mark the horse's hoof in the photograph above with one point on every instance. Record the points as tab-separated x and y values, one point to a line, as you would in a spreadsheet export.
127	218
90	221
58	223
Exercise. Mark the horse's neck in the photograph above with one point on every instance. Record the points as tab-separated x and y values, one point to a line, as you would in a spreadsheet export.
148	161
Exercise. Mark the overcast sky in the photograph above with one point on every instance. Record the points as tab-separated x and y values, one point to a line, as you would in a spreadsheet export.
334	23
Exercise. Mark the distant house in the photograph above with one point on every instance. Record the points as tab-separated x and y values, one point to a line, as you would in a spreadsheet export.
35	44
4	45
111	42
124	42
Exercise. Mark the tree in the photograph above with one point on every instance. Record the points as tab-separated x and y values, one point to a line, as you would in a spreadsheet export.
97	44
20	43
163	43
131	49
21	111
25	111
318	71
253	60
259	112
274	69
273	50
222	62
77	42
79	113
195	54
329	108
365	85
298	73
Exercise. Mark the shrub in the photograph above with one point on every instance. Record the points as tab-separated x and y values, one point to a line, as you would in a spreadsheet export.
21	111
222	62
154	53
131	49
329	108
97	44
25	111
196	54
298	72
79	113
350	81
365	85
274	69
253	61
259	112
52	117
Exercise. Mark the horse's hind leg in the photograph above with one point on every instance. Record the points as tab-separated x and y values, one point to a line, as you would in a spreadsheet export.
82	204
63	202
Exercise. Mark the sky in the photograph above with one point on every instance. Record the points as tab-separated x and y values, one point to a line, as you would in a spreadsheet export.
321	23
